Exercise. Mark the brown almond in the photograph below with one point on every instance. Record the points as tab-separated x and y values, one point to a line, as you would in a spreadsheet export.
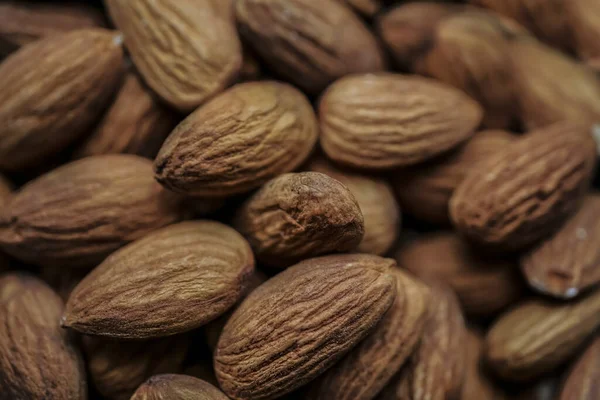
539	335
300	322
300	215
309	43
185	49
377	121
62	280
184	276
424	190
79	213
528	189
6	190
239	140
584	19
53	90
367	368
37	358
478	385
177	387
368	8
582	379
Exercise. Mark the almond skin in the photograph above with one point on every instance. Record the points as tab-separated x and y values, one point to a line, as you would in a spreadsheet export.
368	8
478	385
158	33
79	213
569	261
177	387
539	335
53	90
300	215
363	372
309	43
527	190
379	121
300	322
584	18
37	358
582	379
239	140
184	276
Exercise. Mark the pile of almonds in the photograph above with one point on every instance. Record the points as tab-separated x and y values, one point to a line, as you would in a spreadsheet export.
202	199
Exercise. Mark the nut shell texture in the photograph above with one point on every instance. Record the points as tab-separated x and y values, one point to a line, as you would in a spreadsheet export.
177	387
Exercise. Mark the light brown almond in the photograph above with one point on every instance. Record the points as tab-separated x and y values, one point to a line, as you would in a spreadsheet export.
582	379
177	387
478	385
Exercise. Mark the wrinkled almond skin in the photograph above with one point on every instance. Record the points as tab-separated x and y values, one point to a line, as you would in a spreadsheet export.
177	387
378	121
300	215
309	43
377	204
300	322
527	190
424	190
184	276
117	368
484	284
477	384
79	213
569	261
23	22
582	380
539	335
53	90
135	123
37	358
366	369
184	49
367	8
238	141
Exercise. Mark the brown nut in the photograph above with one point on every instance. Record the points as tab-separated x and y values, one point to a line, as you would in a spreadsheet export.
177	387
478	385
582	379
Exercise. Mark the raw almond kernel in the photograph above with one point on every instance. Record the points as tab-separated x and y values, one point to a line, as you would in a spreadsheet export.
582	379
376	121
366	369
53	90
540	335
484	284
177	387
569	261
367	8
300	215
377	204
310	43
37	358
584	18
184	276
238	141
528	189
79	213
136	123
300	322
186	50
477	384
425	190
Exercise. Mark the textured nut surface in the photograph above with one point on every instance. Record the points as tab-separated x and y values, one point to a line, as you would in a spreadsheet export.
79	213
528	189
37	358
366	369
424	191
569	261
177	387
300	322
300	215
238	141
135	123
477	384
366	7
582	380
184	49
377	204
183	276
392	120
539	335
51	92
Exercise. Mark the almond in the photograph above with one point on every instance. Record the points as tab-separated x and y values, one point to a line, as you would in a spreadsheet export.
388	120
300	322
37	358
527	190
582	379
477	384
177	387
184	276
584	19
299	215
79	213
5	191
52	91
367	8
185	49
238	141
